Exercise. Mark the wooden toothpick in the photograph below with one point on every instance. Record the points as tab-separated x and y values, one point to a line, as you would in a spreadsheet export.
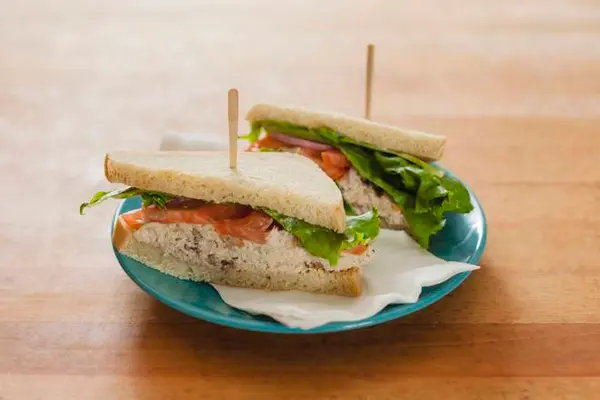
232	112
369	81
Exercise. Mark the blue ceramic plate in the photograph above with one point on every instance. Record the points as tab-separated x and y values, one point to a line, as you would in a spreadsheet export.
462	239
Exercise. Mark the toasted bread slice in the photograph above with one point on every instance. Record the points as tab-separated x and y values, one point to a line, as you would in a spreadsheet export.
426	146
288	183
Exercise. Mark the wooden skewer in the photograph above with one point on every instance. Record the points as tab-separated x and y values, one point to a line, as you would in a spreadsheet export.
369	81
232	112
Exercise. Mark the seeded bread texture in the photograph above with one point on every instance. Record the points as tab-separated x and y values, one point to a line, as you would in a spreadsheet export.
426	146
288	183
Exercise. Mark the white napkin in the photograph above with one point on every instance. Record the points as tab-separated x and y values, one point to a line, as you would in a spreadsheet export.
397	274
399	270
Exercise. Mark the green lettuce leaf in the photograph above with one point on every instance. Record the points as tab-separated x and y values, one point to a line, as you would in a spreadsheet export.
421	190
267	150
361	229
427	186
148	198
349	209
254	135
423	194
367	166
325	243
282	127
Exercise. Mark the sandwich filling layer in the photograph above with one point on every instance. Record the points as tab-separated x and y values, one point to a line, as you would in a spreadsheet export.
421	192
362	196
358	193
191	243
242	224
197	253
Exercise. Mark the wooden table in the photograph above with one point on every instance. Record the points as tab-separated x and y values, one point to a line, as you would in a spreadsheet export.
514	85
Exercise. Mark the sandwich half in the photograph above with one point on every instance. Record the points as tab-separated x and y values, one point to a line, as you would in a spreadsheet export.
276	222
375	165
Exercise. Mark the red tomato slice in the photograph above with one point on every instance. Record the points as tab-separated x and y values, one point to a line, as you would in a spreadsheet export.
202	215
311	153
269	142
334	163
335	158
134	219
358	250
219	212
254	227
155	214
237	221
333	170
334	173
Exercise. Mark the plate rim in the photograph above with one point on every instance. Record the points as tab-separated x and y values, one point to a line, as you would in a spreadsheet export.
385	315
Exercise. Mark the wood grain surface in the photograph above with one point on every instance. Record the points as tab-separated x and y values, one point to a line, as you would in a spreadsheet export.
515	85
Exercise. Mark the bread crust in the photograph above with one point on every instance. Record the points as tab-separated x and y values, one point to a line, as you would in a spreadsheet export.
426	146
122	234
288	183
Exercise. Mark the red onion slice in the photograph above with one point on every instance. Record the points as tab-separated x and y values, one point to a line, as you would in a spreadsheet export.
182	202
294	141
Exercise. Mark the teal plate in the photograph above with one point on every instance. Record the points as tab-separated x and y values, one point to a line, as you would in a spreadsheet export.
462	239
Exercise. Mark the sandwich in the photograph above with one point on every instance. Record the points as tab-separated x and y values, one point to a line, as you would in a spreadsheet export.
375	165
276	222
